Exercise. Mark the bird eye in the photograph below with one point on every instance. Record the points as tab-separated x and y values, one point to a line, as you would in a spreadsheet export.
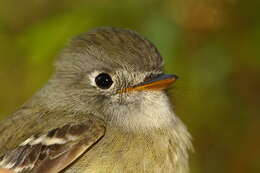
103	81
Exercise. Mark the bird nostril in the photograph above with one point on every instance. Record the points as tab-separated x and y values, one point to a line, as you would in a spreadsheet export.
150	77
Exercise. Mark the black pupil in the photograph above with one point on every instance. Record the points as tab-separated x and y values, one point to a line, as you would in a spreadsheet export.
103	81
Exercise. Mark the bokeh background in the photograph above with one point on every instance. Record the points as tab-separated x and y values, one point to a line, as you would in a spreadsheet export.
213	46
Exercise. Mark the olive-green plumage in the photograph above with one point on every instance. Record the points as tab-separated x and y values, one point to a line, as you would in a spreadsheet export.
81	122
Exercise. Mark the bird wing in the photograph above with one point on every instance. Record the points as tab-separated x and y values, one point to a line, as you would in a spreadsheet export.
54	150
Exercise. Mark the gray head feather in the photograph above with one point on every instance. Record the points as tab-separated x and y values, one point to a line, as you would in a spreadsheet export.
109	48
126	56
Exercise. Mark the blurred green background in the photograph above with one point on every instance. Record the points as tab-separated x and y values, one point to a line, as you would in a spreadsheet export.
212	45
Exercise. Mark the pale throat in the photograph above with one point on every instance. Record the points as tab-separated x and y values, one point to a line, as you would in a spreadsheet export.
153	111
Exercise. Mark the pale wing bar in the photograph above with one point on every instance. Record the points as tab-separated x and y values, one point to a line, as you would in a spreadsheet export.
53	151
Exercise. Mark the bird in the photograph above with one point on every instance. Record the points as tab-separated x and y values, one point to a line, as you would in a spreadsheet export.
103	110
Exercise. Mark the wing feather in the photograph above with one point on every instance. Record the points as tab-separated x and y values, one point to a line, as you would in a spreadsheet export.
53	151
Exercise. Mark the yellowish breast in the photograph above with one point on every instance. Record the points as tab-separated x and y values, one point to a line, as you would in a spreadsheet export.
159	151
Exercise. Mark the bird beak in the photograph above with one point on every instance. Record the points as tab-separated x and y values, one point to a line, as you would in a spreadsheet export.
157	83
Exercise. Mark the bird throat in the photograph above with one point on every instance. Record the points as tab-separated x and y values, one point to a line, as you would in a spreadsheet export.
151	111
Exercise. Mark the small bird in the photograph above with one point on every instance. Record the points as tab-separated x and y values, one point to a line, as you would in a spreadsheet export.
104	110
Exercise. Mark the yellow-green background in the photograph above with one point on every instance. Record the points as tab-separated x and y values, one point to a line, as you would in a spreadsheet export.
213	46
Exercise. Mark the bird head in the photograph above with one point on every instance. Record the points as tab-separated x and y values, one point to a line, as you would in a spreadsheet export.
115	74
